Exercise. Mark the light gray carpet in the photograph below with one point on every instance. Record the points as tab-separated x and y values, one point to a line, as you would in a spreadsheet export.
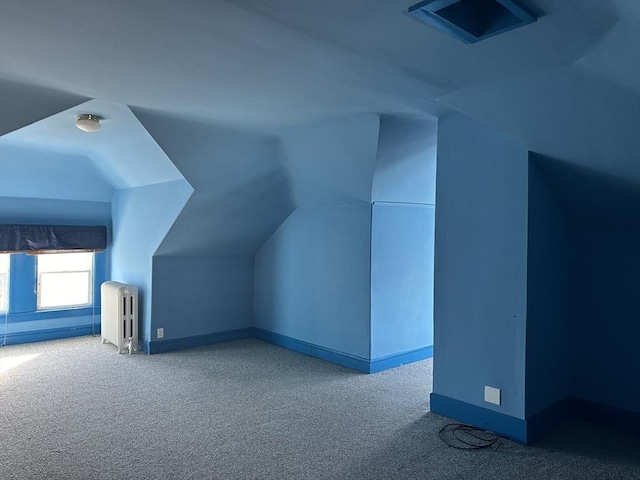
251	410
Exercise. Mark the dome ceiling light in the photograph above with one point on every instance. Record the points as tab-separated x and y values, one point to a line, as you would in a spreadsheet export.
88	122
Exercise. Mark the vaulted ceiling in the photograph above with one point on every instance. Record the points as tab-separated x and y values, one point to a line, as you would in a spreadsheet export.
567	86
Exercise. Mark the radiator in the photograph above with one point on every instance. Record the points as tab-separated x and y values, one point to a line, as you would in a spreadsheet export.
119	315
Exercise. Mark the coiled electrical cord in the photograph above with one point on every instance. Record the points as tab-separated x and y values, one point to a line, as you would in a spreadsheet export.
467	437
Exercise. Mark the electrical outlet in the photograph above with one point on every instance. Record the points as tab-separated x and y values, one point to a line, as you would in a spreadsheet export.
492	395
160	333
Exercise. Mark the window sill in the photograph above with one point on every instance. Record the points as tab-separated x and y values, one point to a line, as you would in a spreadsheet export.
49	314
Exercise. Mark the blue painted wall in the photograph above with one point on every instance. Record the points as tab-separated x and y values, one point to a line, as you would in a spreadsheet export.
312	279
55	212
313	275
244	186
203	276
202	295
241	187
38	173
332	162
480	265
606	326
402	236
402	241
406	161
23	322
583	266
142	217
549	359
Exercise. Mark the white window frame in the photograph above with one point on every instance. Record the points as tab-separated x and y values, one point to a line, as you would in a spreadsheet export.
4	284
90	273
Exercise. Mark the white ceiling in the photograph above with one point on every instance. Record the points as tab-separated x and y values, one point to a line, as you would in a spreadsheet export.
568	85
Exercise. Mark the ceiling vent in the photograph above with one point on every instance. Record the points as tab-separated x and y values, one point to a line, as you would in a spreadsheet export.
472	20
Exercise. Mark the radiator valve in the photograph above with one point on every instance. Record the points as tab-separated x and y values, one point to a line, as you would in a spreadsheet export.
130	345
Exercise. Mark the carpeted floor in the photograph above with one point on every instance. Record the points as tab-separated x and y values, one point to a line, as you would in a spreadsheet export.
74	409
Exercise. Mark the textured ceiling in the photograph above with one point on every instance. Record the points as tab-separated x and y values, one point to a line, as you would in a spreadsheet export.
567	86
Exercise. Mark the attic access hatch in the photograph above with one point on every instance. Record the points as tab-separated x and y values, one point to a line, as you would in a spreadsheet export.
472	20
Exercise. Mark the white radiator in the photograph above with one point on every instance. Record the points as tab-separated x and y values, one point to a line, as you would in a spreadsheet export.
119	318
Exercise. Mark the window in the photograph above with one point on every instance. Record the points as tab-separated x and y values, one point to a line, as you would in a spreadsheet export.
65	280
4	282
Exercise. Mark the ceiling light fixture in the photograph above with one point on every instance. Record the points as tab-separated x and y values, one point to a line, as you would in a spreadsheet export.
87	122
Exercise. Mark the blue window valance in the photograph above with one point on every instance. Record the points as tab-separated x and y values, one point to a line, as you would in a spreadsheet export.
41	238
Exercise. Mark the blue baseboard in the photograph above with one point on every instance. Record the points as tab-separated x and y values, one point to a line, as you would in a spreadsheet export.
170	345
17	338
548	419
392	361
505	425
573	407
344	359
615	418
536	426
347	360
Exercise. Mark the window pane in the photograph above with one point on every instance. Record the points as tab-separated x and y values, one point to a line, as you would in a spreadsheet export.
65	262
4	282
64	289
65	280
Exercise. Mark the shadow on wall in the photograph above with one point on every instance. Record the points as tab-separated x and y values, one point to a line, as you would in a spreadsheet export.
24	104
591	198
242	191
584	296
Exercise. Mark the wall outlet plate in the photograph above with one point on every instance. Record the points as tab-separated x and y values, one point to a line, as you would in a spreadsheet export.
160	333
492	395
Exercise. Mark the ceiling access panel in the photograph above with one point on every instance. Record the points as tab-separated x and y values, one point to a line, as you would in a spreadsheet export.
471	21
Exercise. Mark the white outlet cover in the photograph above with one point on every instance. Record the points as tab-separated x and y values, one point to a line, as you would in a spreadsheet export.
492	395
160	333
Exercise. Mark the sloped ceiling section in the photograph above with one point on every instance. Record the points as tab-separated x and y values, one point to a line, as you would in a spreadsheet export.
586	113
246	184
241	187
383	33
23	104
122	150
616	57
590	198
38	172
212	60
261	64
572	115
406	161
566	86
331	162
